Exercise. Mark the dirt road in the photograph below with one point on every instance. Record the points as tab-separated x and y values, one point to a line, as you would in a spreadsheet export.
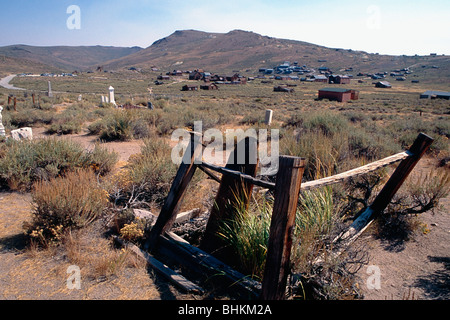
5	83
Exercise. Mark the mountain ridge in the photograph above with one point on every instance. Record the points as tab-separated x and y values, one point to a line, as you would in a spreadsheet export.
244	50
216	52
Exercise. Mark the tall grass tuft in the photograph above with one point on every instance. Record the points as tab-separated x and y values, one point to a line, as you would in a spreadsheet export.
248	235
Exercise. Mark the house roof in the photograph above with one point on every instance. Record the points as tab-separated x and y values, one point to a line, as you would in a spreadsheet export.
336	90
436	93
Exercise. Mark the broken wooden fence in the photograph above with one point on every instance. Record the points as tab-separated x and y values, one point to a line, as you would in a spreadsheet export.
236	184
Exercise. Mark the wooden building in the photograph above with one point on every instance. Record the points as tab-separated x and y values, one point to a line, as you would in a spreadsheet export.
383	84
338	79
338	94
209	86
431	94
320	78
190	87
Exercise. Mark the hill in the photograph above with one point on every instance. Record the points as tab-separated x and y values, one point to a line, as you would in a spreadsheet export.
65	57
243	50
12	65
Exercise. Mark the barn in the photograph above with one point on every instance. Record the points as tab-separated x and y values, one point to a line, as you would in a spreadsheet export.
338	94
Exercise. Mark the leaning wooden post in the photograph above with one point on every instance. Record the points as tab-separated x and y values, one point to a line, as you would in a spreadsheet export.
287	191
232	194
417	150
176	194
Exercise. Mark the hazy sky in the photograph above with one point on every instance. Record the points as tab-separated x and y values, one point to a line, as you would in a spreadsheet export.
383	26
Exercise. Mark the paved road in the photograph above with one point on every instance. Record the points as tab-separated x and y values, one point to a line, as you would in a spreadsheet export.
5	83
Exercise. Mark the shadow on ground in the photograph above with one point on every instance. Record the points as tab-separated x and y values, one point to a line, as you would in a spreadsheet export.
437	284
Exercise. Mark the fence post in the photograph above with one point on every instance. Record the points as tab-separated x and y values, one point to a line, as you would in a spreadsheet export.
417	150
232	194
287	191
176	194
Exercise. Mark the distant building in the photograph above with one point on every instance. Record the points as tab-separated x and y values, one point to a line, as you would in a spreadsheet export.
338	79
283	89
320	78
196	75
163	77
338	94
190	87
209	86
430	94
383	84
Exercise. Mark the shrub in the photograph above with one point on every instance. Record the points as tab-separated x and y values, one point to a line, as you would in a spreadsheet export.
123	125
70	202
328	123
29	161
147	177
153	169
100	160
24	162
117	127
132	232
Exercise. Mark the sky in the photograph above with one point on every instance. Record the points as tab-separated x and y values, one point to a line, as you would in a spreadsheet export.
376	26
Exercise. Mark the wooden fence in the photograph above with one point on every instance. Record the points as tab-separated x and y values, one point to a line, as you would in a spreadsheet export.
236	184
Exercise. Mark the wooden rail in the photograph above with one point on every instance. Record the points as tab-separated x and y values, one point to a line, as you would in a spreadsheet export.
236	183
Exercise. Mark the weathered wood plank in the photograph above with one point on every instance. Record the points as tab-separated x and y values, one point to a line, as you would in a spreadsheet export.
176	194
239	175
316	183
355	172
175	278
208	265
181	217
209	173
287	190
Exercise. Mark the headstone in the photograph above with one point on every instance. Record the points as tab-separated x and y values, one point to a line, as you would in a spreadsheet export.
50	93
2	128
111	96
22	134
269	116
